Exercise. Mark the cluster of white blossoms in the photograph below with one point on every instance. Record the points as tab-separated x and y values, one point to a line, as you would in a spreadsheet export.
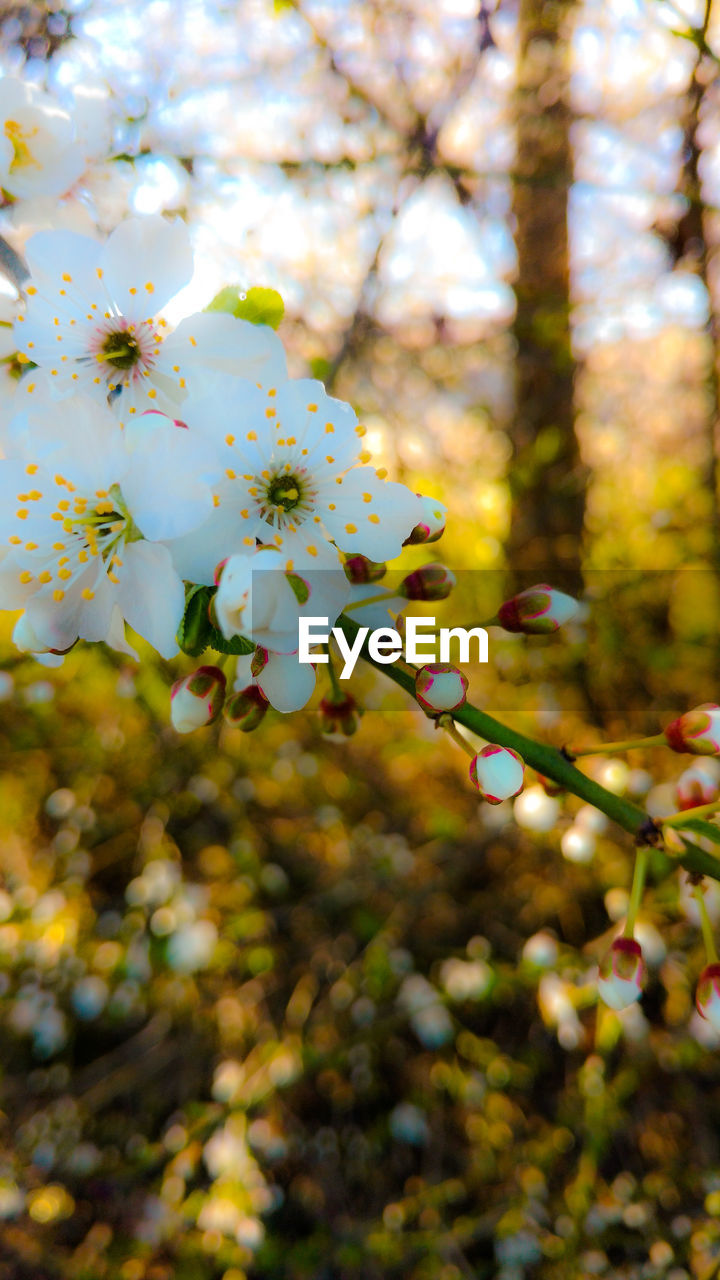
144	465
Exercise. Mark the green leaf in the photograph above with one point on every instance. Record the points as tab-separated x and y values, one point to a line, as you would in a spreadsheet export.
197	632
259	306
300	587
702	828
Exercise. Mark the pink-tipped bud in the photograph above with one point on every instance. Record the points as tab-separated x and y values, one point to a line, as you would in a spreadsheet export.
339	715
695	787
622	974
432	524
197	699
707	995
245	710
218	571
537	611
359	570
698	731
440	687
431	582
498	773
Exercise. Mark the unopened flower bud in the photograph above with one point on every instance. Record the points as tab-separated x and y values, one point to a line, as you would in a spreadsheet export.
359	570
698	731
622	974
197	699
245	710
707	995
431	582
537	611
440	687
431	526
339	715
695	787
498	773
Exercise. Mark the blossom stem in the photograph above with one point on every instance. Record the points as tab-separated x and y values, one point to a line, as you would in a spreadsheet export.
706	925
636	892
360	604
658	740
551	763
700	811
447	723
337	691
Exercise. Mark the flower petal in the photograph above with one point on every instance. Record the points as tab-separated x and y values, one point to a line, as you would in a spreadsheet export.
151	596
145	262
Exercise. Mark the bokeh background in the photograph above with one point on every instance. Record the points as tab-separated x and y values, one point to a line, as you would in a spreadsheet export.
294	1008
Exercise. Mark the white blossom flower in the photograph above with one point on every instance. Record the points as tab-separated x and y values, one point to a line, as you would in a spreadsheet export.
289	458
259	598
287	684
92	321
38	151
84	518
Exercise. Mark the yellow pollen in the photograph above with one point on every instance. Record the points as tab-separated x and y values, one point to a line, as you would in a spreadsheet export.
64	574
381	473
329	429
149	287
312	551
252	435
291	440
305	453
373	518
31	290
216	500
193	343
67	278
99	273
288	565
113	576
181	383
26	576
272	391
367	497
132	290
22	358
364	456
328	458
152	394
58	546
360	431
22	513
331	506
16	542
249	542
229	439
31	387
58	595
350	528
82	557
87	594
31	546
231	475
64	505
244	513
312	408
270	413
45	576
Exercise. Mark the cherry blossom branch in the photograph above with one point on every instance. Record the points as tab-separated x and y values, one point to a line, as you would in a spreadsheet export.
551	763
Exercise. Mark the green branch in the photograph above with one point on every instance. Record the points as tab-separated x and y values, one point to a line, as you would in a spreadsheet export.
551	763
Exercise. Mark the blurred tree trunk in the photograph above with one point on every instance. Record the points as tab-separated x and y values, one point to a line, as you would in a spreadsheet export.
547	478
693	247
